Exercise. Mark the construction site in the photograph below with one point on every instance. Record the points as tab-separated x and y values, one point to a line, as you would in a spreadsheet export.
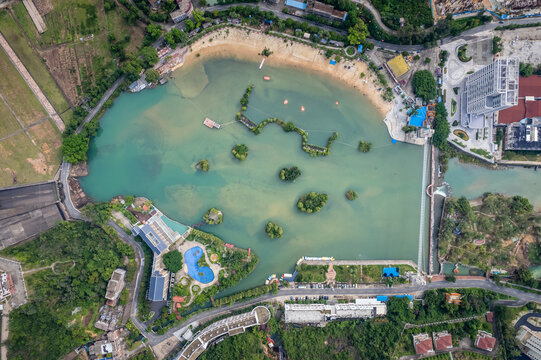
442	8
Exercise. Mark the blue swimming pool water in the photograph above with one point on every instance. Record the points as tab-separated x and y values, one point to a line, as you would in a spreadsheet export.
203	274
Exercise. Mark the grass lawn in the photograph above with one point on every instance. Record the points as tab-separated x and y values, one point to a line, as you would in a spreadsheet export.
20	98
522	155
311	273
8	124
32	61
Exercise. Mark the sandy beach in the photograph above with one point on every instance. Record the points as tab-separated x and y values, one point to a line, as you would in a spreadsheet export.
246	45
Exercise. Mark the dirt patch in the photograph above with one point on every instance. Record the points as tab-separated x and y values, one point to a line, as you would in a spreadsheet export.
521	250
44	6
88	317
79	170
62	62
39	164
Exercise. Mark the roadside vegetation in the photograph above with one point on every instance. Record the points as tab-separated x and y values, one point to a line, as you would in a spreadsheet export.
500	232
45	327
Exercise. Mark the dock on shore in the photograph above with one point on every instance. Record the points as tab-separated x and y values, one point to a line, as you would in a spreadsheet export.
247	122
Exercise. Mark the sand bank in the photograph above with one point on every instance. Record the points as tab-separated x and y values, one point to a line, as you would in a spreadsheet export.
246	45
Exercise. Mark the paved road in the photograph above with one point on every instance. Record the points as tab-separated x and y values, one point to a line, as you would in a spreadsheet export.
524	321
522	297
102	101
368	6
72	210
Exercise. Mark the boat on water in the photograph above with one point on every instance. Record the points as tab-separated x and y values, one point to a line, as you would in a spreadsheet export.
266	77
211	124
286	102
302	108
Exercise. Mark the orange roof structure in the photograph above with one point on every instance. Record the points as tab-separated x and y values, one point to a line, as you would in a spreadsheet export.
179	299
442	340
422	344
485	341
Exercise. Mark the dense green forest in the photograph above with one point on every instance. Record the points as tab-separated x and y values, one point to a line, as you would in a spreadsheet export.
501	222
246	346
45	328
415	12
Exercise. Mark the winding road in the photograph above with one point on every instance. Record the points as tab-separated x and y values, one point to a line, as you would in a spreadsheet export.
524	321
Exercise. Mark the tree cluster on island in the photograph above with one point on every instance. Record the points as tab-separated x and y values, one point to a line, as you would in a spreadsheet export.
273	230
365	146
312	202
351	194
202	165
213	216
172	261
245	97
266	52
290	173
240	151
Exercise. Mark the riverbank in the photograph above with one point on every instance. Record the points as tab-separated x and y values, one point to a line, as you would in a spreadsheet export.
247	45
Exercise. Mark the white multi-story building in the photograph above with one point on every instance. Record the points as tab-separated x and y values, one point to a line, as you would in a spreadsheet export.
493	88
321	313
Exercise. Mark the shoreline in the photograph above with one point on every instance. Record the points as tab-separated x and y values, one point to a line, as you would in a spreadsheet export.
247	44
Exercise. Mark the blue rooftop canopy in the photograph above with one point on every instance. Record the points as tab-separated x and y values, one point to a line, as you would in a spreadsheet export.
419	118
296	4
332	62
390	272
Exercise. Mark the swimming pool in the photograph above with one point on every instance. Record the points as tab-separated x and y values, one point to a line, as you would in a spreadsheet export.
175	226
203	274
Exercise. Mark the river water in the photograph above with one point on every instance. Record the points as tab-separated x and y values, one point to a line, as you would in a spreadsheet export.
150	142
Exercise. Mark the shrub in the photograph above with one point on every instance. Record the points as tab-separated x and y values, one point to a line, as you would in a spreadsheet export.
290	174
312	202
274	231
409	128
351	194
365	146
203	165
240	151
74	148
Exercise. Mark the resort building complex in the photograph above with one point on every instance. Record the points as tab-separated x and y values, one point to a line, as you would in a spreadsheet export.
321	313
159	233
493	88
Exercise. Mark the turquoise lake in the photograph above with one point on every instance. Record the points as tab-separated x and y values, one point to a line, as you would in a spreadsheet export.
150	142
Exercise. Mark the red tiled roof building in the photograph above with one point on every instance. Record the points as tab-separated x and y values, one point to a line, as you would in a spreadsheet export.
423	344
529	105
442	340
485	341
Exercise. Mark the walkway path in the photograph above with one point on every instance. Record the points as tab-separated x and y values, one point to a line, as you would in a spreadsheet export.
31	83
100	104
423	205
31	271
450	321
5	332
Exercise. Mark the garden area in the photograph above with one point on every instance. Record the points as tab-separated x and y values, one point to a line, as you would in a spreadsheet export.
461	134
497	231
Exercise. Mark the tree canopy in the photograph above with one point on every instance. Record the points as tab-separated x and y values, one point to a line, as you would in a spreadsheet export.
290	174
273	230
74	148
424	85
152	75
441	127
173	261
357	33
312	202
149	56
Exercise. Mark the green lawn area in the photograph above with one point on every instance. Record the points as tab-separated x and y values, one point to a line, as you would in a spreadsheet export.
522	155
8	124
32	61
20	98
311	273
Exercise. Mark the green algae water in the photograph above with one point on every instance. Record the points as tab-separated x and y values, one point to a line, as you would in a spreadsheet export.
150	142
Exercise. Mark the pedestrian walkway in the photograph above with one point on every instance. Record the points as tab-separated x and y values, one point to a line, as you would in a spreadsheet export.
32	83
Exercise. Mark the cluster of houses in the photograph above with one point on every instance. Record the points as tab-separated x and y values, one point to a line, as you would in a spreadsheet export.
425	344
316	8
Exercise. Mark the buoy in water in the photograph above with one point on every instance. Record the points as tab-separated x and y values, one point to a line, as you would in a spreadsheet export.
302	108
336	103
285	102
266	78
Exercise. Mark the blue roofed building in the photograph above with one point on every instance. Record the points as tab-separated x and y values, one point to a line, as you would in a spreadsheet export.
157	289
159	233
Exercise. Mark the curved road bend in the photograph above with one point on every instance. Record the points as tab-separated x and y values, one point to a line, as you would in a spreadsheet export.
524	321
